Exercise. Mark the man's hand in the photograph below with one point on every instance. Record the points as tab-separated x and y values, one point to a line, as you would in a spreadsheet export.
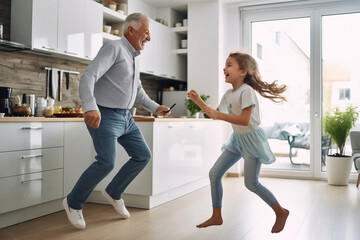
92	118
163	111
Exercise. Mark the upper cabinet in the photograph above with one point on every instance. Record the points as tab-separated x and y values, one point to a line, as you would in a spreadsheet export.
93	27
70	28
34	23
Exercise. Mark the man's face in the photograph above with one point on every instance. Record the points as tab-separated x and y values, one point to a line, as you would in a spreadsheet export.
139	37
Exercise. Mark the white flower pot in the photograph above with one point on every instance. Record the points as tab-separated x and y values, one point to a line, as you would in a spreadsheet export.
338	170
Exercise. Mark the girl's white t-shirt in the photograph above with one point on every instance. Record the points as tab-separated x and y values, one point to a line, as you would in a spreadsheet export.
233	102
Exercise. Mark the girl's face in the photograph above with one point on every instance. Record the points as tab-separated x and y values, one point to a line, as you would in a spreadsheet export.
233	73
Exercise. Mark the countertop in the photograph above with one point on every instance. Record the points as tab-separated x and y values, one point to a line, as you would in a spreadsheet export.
80	119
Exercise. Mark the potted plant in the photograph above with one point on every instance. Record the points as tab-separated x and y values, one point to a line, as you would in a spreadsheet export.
193	108
337	125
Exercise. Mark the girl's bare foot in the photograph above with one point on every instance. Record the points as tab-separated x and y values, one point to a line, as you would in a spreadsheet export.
211	222
281	218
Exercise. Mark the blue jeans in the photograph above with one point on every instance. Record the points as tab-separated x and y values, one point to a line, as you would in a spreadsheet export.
251	175
116	125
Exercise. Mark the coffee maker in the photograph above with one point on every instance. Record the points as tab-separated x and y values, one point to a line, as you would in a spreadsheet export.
5	102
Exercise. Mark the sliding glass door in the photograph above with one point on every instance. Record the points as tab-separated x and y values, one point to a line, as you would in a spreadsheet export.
313	49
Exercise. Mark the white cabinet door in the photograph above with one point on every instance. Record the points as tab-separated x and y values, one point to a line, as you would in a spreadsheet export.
166	65
71	27
30	135
169	163
34	23
93	28
202	147
45	18
148	59
77	153
30	189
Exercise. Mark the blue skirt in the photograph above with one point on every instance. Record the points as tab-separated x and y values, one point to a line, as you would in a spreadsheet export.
254	143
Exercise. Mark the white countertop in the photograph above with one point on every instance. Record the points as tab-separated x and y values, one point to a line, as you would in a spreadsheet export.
80	119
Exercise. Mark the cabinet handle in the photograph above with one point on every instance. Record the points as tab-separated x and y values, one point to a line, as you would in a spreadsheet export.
163	75
71	53
170	126
31	128
49	48
35	179
149	71
173	77
31	156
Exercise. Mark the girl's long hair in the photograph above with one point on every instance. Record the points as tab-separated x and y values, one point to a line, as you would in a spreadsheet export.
271	91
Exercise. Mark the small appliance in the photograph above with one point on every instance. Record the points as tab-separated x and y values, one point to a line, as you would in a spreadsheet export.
5	102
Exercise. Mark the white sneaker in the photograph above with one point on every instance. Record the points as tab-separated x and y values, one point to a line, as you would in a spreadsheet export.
75	216
119	205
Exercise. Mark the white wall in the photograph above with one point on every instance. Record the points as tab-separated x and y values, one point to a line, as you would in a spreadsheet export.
203	49
142	7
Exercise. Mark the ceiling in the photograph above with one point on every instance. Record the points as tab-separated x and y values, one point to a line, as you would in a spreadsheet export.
177	3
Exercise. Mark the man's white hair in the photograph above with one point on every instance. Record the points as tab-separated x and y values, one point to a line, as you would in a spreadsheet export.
134	20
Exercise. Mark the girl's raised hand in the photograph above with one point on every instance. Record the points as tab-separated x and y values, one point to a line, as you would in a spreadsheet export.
194	96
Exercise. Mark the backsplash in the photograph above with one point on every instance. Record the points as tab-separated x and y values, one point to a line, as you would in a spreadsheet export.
25	72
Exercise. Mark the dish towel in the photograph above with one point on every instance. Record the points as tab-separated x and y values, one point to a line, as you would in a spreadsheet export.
53	82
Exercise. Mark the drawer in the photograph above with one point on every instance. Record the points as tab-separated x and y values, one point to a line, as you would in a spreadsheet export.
30	161
30	189
30	135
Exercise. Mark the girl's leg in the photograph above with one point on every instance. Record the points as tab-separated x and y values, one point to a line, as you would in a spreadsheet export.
224	162
251	175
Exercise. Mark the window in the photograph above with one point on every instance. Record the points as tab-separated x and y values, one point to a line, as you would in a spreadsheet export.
344	94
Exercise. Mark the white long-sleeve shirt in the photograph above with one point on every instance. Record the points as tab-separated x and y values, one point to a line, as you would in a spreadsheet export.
113	79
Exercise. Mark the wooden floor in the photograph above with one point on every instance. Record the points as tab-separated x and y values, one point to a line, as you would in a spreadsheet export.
317	211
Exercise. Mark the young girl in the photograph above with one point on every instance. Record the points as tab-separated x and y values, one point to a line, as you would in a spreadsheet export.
239	106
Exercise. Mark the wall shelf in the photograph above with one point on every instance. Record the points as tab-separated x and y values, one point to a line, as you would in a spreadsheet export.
111	16
181	30
109	37
181	51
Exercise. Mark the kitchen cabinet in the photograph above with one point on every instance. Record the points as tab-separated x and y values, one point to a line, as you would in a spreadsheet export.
31	163
93	29
185	152
34	23
148	62
158	57
71	22
69	28
78	153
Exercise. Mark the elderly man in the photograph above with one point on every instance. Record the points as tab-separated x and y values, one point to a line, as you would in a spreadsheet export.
108	89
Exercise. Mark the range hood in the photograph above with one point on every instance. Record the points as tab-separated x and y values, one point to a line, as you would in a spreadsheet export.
8	46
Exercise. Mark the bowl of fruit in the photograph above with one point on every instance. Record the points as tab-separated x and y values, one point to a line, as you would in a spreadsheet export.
70	112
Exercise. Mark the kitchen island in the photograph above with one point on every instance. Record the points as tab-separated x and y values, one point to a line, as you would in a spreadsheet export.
53	152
